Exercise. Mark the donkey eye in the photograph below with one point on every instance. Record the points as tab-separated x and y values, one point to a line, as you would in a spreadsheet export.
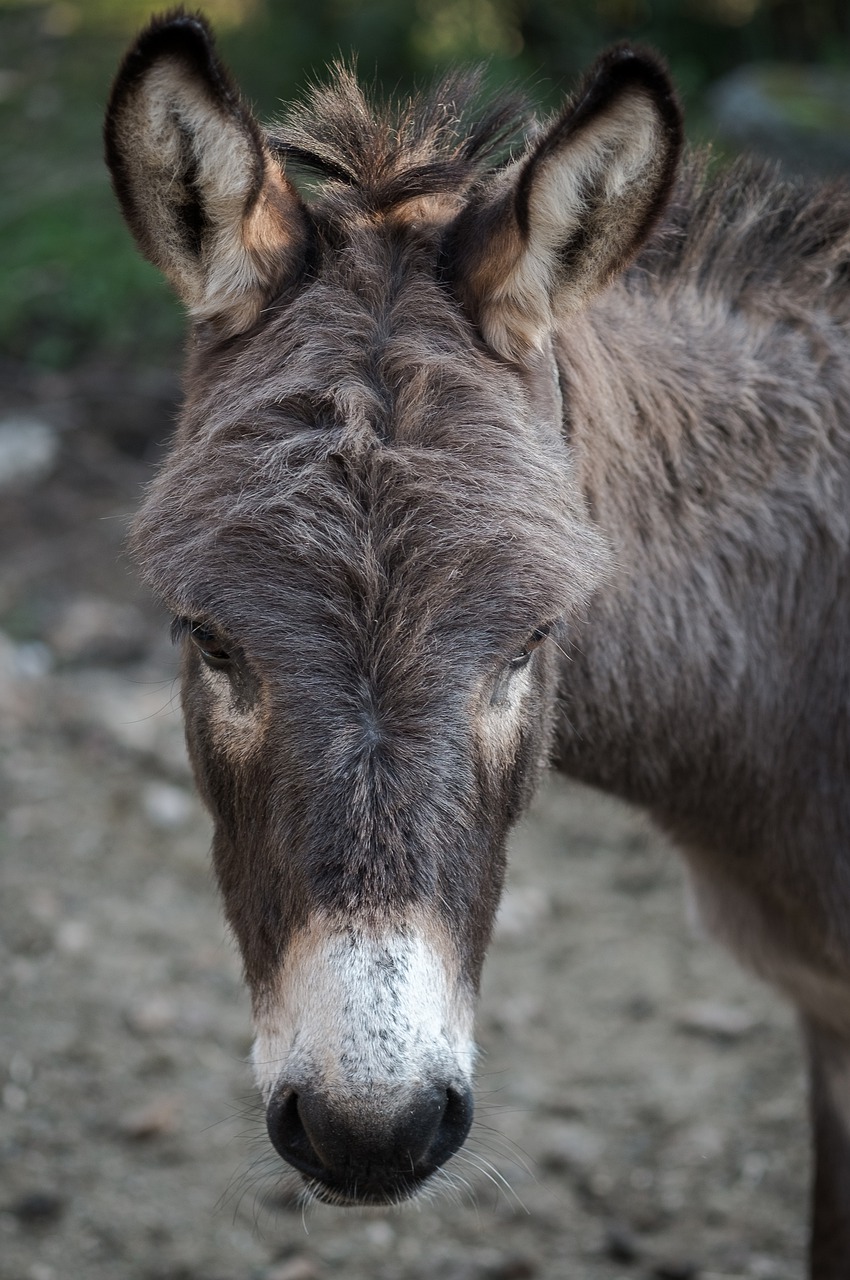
533	642
210	645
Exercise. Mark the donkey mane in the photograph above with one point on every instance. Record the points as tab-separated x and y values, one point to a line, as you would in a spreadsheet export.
737	231
732	228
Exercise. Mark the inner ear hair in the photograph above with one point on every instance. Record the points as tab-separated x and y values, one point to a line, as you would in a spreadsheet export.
206	200
625	128
560	222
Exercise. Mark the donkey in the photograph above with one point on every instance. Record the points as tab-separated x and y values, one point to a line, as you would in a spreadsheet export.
505	443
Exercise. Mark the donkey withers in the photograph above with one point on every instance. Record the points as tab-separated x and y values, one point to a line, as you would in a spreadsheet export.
503	443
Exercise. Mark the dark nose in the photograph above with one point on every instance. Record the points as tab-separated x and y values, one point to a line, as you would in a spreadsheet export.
368	1151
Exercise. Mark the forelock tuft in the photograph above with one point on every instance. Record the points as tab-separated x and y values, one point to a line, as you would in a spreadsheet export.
393	150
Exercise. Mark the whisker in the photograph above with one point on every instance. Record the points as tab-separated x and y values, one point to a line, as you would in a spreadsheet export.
489	1170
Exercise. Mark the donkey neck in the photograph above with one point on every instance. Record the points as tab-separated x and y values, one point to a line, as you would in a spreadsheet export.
704	463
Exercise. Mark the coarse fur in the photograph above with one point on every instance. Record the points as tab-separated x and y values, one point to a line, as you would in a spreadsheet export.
515	442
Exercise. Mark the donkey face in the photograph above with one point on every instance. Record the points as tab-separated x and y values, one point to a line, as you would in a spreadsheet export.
372	544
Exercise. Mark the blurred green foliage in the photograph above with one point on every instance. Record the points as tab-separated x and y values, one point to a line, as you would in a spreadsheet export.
72	286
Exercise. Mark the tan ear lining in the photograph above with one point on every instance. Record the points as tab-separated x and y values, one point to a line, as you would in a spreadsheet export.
207	202
559	223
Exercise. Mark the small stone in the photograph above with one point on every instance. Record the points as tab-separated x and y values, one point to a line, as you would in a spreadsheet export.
298	1267
167	807
570	1146
639	1008
20	1070
33	660
642	1179
14	1098
41	1271
753	1167
716	1021
621	1243
156	1014
762	1268
43	904
598	1184
515	1267
159	1117
379	1233
20	665
675	1269
38	1208
28	452
521	912
73	937
24	972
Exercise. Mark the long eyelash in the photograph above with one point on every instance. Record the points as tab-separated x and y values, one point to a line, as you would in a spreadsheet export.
180	627
538	635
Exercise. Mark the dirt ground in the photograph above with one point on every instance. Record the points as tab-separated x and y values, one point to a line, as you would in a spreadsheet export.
640	1101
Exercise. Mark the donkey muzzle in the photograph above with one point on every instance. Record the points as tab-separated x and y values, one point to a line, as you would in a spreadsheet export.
372	1149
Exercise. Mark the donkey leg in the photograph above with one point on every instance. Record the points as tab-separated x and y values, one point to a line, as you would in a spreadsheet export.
829	1067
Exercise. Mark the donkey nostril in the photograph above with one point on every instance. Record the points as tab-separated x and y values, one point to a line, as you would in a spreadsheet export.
367	1154
288	1135
453	1126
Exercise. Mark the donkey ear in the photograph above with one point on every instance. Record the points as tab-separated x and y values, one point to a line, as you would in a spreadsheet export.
572	212
204	198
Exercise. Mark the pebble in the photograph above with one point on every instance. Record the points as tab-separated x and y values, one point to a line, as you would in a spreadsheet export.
28	452
73	937
38	1208
20	665
379	1233
675	1269
158	1117
299	1267
14	1098
153	1015
43	904
570	1146
621	1244
33	660
762	1267
716	1021
639	1007
514	1267
521	912
41	1271
20	1070
167	807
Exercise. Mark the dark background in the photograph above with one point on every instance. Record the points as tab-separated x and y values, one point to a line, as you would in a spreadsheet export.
71	288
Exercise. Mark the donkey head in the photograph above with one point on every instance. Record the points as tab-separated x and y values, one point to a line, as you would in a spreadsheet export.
372	542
